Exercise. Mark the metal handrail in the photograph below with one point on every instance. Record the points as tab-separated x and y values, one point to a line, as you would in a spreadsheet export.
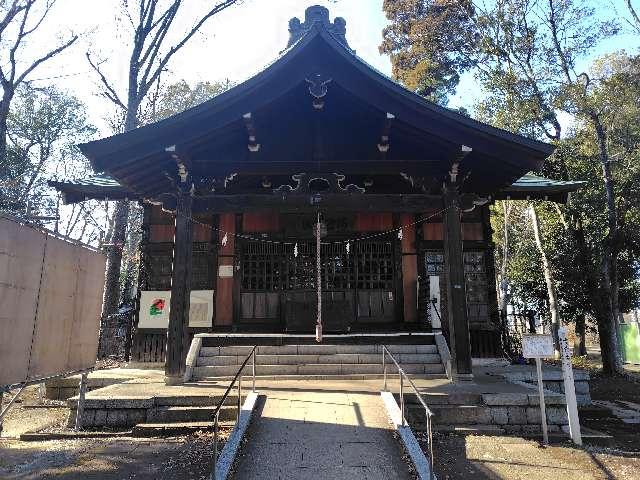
402	375
216	413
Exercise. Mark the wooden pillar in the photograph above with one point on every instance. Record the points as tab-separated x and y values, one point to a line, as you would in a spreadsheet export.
460	345
178	332
409	268
225	281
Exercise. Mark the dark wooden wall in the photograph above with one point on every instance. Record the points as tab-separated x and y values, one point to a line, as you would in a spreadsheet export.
156	261
412	302
482	300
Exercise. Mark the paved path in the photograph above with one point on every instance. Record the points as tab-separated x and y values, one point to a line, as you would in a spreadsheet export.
321	435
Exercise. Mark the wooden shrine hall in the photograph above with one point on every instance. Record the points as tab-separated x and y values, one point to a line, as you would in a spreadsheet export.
233	190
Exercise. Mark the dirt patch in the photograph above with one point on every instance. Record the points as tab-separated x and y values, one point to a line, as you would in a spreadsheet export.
614	388
509	458
176	458
27	414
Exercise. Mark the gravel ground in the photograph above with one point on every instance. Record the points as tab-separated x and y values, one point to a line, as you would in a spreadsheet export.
26	415
512	458
188	457
109	459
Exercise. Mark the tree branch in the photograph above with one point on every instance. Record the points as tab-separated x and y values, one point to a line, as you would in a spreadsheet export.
110	92
46	57
216	9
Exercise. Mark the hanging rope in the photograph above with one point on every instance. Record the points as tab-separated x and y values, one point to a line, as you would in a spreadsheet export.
347	242
318	282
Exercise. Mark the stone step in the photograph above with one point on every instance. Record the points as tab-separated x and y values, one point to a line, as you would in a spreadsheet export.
110	403
342	377
456	398
176	429
197	400
189	414
480	429
450	414
338	358
313	369
322	349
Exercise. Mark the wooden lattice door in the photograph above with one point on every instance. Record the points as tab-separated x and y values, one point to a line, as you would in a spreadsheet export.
278	284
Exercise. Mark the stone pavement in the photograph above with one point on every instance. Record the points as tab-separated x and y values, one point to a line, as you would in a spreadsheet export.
317	434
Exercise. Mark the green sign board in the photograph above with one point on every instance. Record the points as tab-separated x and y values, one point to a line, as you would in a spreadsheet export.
630	342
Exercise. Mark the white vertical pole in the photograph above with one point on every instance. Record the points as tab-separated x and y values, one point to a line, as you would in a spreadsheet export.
434	292
41	392
1	398
81	395
318	283
569	387
543	407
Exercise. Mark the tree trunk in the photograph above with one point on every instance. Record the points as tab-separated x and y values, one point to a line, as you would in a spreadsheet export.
504	281
610	257
111	299
5	105
549	280
580	345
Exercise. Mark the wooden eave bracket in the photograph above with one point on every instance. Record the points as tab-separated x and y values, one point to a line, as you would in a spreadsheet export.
253	144
455	164
383	146
181	161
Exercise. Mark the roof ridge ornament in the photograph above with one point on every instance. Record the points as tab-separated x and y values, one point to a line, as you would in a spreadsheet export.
318	16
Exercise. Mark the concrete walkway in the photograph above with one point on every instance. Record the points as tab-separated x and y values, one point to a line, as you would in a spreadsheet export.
321	435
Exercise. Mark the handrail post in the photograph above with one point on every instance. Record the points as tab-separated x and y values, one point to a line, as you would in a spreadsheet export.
254	369
401	396
215	446
384	367
430	433
80	406
239	397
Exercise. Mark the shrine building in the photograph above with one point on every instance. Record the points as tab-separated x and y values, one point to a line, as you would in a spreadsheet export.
235	190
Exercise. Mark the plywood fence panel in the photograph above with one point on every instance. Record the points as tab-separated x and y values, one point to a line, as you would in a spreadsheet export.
21	256
56	309
50	302
83	344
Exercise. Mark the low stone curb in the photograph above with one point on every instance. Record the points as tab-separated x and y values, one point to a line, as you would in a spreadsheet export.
232	445
39	437
409	441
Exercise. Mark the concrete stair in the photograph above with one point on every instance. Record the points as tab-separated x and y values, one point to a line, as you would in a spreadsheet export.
163	416
291	361
456	412
148	430
181	414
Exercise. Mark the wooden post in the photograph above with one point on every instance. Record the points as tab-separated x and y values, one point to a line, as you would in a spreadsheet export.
178	332
225	277
460	345
409	268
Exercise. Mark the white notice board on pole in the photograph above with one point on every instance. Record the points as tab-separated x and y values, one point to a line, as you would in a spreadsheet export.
537	346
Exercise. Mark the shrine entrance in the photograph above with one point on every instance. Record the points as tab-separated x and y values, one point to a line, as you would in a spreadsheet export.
278	289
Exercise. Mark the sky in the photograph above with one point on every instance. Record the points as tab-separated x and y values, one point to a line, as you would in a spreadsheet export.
233	45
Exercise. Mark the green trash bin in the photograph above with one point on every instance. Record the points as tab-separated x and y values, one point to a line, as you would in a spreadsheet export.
630	341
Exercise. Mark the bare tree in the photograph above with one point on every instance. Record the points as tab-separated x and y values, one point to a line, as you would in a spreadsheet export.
20	19
634	22
548	278
503	284
151	22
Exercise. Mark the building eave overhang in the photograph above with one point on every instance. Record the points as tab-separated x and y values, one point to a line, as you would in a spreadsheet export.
384	93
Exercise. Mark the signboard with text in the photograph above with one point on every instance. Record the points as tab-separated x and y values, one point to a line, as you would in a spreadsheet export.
537	346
